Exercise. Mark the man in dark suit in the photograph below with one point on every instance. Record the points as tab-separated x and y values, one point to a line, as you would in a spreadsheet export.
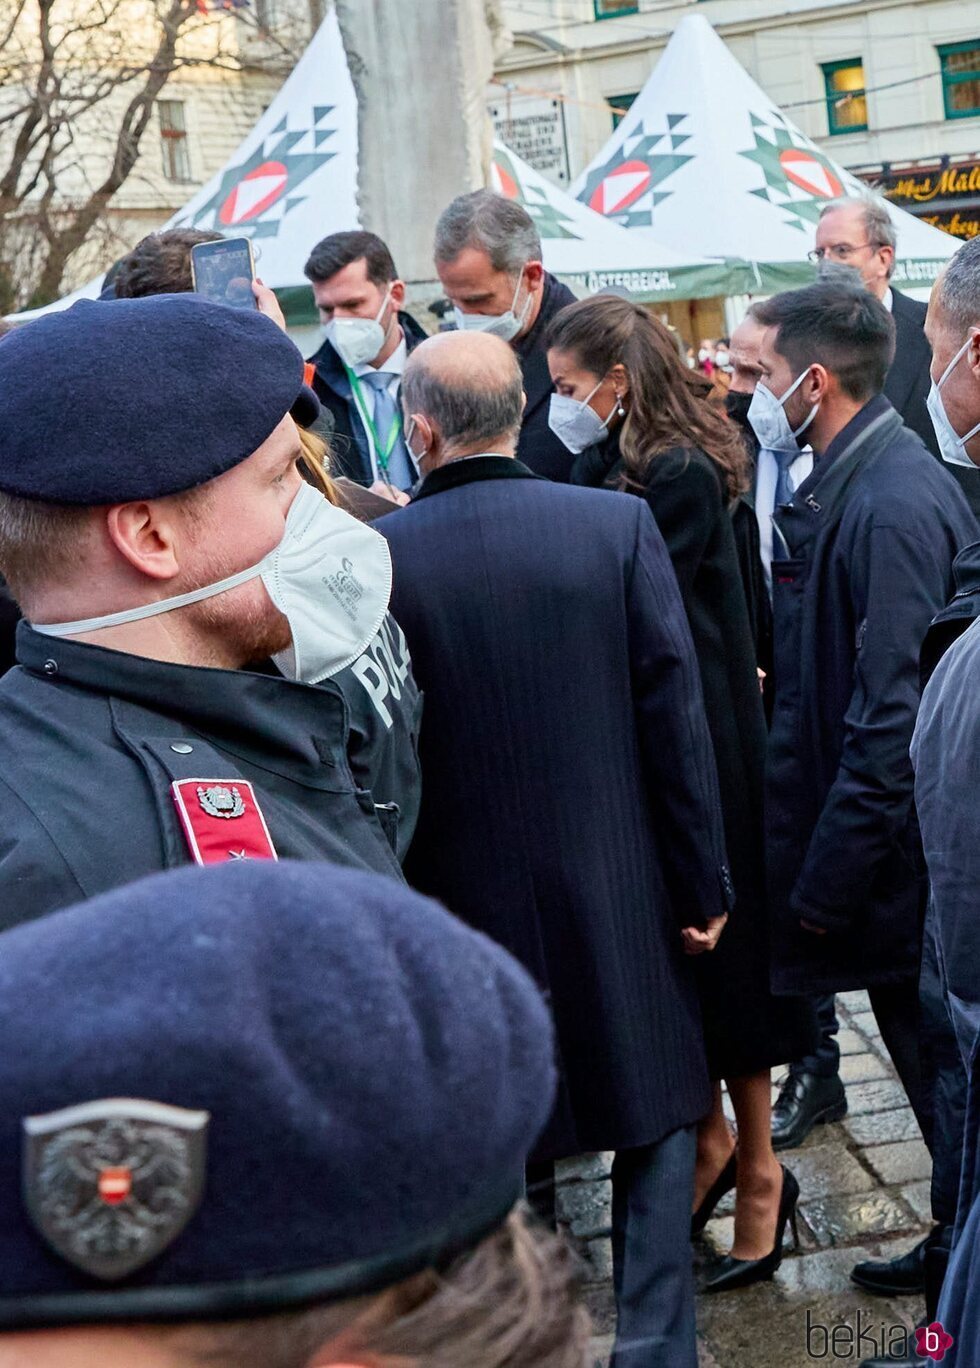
865	549
358	368
570	807
859	232
488	256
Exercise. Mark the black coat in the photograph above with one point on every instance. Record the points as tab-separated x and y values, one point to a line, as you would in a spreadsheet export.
350	452
870	540
539	449
570	803
944	753
746	1028
89	744
907	387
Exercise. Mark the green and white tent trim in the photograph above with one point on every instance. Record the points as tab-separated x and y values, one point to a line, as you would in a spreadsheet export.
705	162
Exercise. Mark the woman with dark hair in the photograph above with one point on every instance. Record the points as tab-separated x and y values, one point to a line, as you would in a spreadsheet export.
639	421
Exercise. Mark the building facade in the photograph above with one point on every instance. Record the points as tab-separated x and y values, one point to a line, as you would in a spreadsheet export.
888	88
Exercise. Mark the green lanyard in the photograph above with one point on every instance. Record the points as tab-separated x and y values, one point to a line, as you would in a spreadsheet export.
382	455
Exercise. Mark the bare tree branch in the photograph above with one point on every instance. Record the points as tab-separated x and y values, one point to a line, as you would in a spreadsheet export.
79	82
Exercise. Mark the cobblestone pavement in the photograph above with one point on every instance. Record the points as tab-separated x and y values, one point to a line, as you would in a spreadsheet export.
864	1194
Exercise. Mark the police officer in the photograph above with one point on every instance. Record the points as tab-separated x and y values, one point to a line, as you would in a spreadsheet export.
160	541
279	1118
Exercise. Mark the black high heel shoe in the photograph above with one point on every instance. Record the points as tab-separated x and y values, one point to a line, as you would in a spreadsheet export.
722	1184
731	1273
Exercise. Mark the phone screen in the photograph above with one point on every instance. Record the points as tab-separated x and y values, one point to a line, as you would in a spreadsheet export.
223	271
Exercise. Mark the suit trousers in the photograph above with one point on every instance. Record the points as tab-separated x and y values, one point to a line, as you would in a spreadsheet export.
653	1272
898	1014
653	1269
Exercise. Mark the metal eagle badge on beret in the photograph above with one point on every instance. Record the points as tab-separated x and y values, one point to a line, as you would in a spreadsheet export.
111	1184
222	820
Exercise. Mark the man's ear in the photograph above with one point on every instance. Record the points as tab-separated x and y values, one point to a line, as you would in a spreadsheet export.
534	274
423	432
973	351
818	384
145	536
398	293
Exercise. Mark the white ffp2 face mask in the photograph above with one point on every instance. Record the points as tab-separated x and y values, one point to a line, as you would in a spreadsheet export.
767	415
506	325
575	422
952	446
330	576
358	341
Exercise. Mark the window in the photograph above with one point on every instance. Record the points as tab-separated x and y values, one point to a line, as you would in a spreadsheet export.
173	134
847	105
609	9
960	64
619	106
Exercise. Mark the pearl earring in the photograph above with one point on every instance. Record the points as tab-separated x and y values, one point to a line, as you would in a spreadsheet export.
620	411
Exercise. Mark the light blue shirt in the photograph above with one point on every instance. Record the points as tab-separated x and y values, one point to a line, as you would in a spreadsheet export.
766	471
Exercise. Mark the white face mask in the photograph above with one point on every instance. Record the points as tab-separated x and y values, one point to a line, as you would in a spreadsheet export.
952	446
767	414
575	422
506	325
358	340
330	576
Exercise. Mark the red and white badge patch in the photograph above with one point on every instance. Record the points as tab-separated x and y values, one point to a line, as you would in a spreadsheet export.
222	821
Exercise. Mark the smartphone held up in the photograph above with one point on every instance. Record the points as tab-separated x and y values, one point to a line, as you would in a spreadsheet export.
223	272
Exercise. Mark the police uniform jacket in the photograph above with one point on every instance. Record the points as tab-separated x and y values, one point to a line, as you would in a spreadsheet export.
864	563
91	742
570	808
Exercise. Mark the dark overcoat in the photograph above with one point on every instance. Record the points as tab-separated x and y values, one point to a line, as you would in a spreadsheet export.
350	452
908	382
944	753
570	804
868	544
539	449
747	1029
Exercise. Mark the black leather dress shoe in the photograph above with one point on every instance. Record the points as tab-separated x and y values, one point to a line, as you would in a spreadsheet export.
897	1277
805	1100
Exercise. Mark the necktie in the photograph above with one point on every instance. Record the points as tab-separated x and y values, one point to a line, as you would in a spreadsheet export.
401	473
784	490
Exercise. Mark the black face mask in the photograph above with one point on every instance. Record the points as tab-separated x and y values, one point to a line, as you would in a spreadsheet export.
738	410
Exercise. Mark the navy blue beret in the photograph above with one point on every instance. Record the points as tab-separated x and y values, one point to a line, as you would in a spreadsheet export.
230	1090
154	396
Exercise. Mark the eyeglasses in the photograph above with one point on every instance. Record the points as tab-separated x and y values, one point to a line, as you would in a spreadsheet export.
841	251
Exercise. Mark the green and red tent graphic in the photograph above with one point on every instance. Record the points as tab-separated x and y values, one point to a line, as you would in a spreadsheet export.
254	196
625	187
543	206
799	179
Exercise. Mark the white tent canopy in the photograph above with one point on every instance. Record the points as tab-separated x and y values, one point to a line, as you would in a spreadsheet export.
705	162
293	180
